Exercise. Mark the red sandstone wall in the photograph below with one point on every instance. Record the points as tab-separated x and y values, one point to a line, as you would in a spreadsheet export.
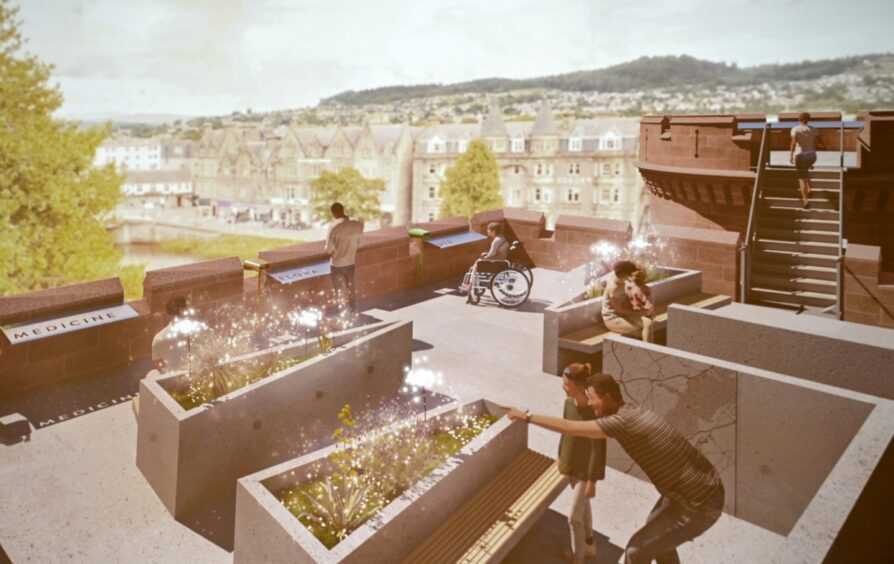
712	252
867	297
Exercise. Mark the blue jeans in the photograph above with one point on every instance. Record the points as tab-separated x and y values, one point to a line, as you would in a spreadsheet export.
670	525
343	283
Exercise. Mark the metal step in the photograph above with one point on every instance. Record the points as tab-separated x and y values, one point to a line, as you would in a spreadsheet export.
770	256
781	224
795	202
798	213
794	270
785	283
791	172
797	298
797	247
807	235
818	194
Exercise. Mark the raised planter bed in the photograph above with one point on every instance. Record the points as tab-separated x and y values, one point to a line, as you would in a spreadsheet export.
191	457
580	312
266	531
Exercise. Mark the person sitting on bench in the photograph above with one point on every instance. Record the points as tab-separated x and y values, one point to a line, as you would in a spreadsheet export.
499	250
617	313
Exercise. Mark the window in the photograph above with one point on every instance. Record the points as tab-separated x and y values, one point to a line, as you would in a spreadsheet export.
617	169
575	144
515	198
432	192
610	142
518	145
516	169
431	216
436	145
547	195
538	194
550	170
572	195
616	195
539	170
574	168
462	145
604	196
606	169
431	168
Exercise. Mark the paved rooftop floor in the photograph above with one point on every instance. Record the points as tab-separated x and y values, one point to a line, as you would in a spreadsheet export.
73	492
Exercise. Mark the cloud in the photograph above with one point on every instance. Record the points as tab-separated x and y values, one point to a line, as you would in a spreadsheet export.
215	56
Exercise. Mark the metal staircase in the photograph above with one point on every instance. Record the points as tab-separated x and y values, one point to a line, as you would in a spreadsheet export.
792	257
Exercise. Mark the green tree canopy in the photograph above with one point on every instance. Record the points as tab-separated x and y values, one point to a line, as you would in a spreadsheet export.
472	183
53	202
359	195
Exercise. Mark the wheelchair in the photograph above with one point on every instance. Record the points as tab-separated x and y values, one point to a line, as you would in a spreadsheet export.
509	281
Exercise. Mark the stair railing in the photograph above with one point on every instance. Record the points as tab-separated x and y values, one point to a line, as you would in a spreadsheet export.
842	242
746	250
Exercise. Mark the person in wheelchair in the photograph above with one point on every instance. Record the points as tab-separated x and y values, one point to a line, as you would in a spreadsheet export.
499	250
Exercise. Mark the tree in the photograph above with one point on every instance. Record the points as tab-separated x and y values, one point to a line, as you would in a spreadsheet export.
54	203
359	195
472	183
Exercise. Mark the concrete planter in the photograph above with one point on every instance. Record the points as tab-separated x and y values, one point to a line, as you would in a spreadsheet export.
267	532
579	312
191	458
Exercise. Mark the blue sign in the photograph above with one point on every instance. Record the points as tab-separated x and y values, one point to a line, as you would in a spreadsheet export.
455	239
302	272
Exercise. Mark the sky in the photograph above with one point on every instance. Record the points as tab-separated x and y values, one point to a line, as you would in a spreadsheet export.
212	57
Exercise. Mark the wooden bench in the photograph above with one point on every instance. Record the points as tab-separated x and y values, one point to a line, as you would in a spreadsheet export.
589	339
489	525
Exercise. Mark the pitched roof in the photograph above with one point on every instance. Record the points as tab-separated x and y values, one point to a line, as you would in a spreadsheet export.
493	125
545	124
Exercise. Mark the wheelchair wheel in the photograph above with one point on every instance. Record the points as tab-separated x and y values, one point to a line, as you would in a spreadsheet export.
510	288
523	268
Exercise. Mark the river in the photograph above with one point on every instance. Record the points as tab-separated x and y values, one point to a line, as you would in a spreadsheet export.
153	257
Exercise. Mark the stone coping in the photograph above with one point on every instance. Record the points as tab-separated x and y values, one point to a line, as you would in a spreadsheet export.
314	251
715	236
55	301
722	119
193	273
814	116
692	171
592	224
444	226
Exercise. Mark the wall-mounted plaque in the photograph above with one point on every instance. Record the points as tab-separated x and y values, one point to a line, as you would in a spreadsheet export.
33	330
455	239
303	272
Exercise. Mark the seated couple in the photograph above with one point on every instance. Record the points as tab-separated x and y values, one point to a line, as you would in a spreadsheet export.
627	306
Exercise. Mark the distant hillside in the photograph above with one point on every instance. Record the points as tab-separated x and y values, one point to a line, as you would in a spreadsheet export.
643	73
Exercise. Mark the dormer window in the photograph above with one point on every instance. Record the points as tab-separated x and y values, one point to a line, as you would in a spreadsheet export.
575	144
436	145
610	142
518	145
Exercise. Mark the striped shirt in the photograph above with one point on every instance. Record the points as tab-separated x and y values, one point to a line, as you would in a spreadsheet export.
677	469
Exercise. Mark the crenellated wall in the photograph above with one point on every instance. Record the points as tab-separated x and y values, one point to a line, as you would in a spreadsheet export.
387	261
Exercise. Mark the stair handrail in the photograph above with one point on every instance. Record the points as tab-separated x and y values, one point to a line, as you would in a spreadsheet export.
745	250
842	242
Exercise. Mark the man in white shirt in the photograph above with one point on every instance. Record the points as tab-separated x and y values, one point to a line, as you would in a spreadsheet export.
805	137
341	244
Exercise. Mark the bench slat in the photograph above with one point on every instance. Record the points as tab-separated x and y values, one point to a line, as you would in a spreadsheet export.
464	528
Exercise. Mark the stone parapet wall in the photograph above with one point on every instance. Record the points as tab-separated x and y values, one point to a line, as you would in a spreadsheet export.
714	253
868	296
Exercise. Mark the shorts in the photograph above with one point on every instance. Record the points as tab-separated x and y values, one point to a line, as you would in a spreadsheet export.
803	162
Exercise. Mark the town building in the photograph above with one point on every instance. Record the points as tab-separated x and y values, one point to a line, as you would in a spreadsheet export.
574	167
130	154
166	188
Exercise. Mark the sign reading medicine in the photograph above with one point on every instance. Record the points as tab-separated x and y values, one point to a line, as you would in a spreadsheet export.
455	239
302	272
33	330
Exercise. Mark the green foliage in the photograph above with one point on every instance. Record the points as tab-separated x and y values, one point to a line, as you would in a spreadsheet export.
242	246
54	204
472	183
325	342
376	460
360	196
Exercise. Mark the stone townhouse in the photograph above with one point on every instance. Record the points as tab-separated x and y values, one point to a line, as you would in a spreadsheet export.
268	170
582	167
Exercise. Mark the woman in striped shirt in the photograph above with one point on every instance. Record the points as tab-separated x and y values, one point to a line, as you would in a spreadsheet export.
690	487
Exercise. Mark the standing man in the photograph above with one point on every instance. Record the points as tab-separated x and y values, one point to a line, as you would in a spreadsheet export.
341	245
582	461
690	487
